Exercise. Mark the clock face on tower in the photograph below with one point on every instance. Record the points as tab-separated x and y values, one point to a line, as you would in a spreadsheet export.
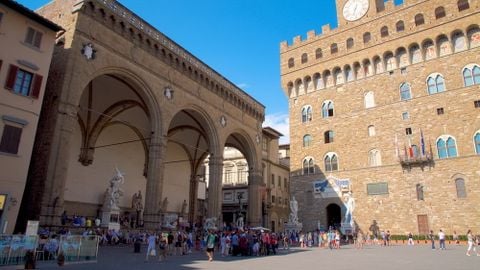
355	9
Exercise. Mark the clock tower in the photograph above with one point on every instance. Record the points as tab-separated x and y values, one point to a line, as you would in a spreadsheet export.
351	12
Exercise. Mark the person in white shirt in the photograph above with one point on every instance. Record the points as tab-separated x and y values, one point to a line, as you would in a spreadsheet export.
441	239
151	251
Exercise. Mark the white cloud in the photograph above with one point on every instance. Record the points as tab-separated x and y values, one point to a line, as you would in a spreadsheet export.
243	85
281	123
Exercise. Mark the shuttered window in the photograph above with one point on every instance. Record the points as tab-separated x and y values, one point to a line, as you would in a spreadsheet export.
10	139
33	37
23	82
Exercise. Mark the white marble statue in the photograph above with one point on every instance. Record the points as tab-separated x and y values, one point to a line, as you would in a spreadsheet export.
137	201
210	223
350	205
114	192
293	211
240	222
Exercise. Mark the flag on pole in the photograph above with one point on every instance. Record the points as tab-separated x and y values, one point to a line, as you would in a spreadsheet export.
422	142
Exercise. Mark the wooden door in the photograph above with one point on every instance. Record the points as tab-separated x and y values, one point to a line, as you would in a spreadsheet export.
423	224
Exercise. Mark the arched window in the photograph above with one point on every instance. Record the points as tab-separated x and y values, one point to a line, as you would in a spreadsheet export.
304	58
419	189
334	48
348	74
327	109
349	43
318	53
331	162
371	131
378	64
446	147
419	20
291	63
318	81
308	165
459	42
476	141
390	62
405	91
367	37
328	136
306	114
384	31
439	12
400	26
415	54
460	187
463	5
474	37
338	76
369	100
471	74
402	57
444	46
435	83
307	140
429	50
374	158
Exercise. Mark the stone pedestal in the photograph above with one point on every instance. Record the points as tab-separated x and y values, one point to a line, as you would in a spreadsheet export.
111	219
293	227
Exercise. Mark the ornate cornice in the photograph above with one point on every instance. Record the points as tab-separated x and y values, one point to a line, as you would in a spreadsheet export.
175	56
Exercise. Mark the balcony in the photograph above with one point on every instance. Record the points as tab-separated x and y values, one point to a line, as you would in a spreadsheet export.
416	161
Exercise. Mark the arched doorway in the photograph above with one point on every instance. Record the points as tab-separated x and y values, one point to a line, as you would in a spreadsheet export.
334	215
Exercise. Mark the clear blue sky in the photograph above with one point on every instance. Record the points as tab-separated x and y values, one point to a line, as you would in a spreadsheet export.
240	39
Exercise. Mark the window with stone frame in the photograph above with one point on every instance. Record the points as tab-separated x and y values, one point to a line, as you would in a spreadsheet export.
476	141
331	162
405	91
435	83
440	13
307	140
328	136
463	5
446	147
460	188
306	114
327	109
419	190
419	19
384	31
291	63
318	53
33	37
334	48
400	26
308	166
349	43
471	75
304	58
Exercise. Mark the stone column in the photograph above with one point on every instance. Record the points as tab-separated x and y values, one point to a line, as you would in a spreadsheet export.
215	188
255	185
53	196
153	195
192	206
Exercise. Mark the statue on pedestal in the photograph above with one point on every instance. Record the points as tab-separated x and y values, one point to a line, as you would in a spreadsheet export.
163	207
137	204
293	211
350	207
114	192
184	208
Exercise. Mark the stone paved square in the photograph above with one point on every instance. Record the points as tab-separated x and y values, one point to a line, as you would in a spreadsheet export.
371	257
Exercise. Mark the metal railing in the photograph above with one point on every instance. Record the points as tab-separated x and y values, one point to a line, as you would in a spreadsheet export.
13	248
